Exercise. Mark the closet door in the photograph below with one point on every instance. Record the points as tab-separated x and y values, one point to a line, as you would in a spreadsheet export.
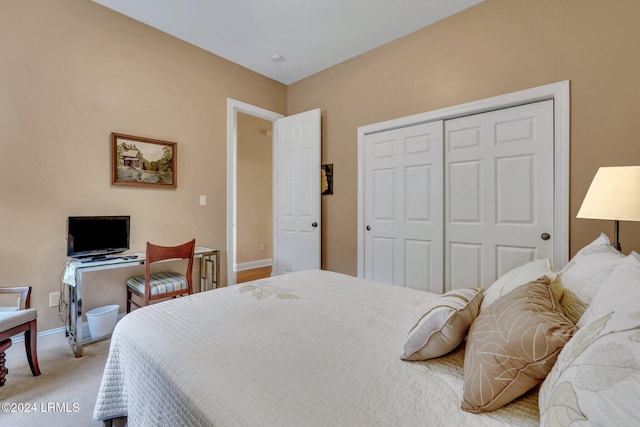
403	207
498	192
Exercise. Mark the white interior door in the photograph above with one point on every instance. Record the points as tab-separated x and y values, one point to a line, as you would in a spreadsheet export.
297	193
403	206
499	210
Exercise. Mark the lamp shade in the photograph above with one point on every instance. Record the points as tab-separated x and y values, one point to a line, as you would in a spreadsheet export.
614	194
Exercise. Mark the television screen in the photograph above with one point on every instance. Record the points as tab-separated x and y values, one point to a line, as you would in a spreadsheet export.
96	236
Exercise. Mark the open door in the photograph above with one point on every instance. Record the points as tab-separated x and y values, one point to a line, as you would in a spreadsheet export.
296	187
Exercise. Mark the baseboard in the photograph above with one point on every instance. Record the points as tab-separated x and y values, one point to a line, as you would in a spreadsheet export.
254	264
52	336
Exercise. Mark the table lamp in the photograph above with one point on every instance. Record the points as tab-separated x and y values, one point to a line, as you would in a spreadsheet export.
614	194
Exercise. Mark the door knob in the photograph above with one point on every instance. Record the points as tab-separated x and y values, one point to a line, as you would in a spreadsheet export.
545	236
368	228
314	224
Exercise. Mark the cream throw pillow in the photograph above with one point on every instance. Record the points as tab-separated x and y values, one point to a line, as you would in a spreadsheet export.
620	290
581	278
517	277
443	325
512	345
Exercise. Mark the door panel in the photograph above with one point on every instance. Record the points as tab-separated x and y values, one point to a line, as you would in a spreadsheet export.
382	258
515	190
465	263
297	192
403	208
499	192
465	180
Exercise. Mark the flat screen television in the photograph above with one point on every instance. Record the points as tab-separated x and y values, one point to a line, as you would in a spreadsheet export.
97	236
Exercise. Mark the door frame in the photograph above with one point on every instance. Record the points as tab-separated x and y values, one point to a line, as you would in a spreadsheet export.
233	108
558	92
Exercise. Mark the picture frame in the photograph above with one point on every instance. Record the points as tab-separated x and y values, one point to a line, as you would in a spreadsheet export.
143	162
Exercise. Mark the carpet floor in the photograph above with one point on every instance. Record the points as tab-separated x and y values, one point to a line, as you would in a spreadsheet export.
63	395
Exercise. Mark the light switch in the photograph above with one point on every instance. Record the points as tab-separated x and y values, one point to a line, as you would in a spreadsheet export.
203	200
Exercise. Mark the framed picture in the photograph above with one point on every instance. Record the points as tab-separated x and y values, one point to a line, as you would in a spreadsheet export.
144	162
326	179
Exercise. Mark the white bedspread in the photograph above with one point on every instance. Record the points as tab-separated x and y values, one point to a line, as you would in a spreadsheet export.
312	348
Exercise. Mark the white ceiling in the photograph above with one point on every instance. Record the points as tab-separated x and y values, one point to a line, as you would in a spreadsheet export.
311	35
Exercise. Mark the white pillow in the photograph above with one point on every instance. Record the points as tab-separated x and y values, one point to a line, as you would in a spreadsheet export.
619	291
443	325
596	378
521	275
581	278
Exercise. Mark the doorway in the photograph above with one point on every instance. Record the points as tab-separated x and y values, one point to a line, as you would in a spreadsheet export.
254	197
234	110
295	185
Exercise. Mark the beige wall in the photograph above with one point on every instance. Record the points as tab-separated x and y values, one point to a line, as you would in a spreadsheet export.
254	223
72	72
496	47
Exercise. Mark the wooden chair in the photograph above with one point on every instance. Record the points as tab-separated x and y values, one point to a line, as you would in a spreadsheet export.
17	319
154	286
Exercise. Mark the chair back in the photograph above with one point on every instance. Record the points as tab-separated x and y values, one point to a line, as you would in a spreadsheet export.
23	301
157	253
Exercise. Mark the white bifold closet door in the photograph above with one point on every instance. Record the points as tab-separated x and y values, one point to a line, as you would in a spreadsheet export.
499	196
457	203
403	206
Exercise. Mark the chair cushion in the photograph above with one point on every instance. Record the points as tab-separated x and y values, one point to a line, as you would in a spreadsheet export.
160	283
11	319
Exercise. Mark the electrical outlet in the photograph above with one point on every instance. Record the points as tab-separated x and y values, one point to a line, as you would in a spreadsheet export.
54	299
263	246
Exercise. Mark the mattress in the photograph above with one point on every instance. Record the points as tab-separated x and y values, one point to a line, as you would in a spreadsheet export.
311	348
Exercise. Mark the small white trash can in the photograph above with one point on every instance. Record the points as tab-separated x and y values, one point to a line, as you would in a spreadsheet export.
102	320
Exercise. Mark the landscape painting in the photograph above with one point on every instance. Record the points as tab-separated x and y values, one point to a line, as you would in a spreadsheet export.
141	161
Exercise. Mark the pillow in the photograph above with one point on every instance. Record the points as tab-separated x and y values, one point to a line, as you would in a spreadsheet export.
596	378
620	287
512	345
517	277
443	325
581	278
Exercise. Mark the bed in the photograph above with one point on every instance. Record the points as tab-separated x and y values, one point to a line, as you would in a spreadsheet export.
314	348
309	348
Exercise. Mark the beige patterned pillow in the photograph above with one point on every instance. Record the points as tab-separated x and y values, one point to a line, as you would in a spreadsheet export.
443	325
512	346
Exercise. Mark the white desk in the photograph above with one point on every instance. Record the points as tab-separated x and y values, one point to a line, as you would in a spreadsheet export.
209	279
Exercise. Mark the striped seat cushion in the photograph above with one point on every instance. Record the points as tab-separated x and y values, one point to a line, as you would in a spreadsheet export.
160	283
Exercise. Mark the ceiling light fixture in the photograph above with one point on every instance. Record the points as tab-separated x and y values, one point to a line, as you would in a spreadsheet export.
276	57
